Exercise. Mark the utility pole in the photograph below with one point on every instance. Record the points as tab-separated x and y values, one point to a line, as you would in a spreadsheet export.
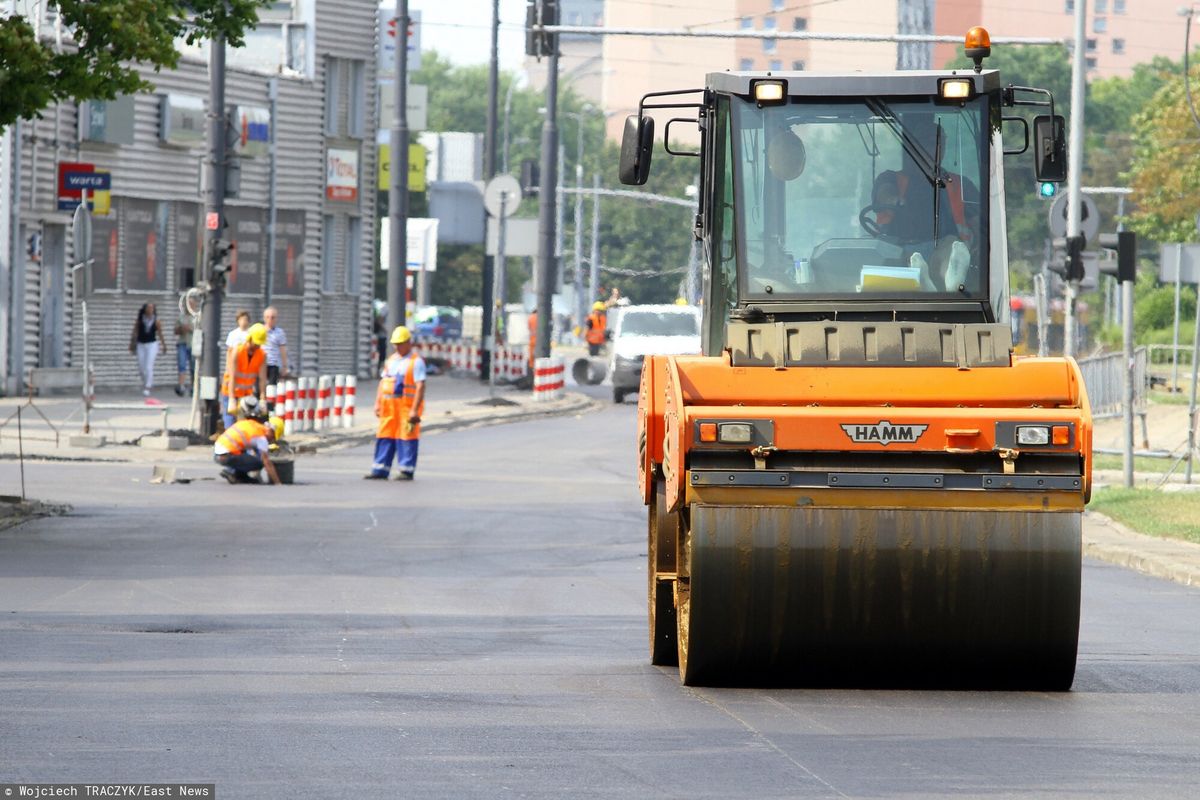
272	189
214	202
548	15
579	221
1074	179
487	289
397	281
594	276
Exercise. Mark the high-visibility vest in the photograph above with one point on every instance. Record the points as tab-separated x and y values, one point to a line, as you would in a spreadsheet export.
595	334
235	440
408	393
953	194
245	371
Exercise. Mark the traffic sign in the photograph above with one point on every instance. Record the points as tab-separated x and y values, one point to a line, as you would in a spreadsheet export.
1089	217
507	185
1179	259
81	233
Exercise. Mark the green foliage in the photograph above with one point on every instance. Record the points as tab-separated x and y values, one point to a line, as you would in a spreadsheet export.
637	236
1166	171
111	38
1111	105
1174	515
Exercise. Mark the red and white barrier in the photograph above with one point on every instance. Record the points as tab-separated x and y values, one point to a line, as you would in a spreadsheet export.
549	378
323	390
348	402
339	399
289	408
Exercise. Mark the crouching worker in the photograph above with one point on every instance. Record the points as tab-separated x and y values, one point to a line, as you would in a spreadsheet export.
245	447
399	405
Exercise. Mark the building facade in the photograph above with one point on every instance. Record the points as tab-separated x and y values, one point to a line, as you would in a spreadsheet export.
1121	34
302	217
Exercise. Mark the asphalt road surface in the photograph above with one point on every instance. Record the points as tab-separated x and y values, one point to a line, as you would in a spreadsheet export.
480	633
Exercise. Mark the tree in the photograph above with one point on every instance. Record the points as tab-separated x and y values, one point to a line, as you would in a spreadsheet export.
1166	171
111	39
649	239
1110	107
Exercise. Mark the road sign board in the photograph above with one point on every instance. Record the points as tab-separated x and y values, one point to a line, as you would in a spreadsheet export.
507	185
417	101
1089	217
1179	259
81	233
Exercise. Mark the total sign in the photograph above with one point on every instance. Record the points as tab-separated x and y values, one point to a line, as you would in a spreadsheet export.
341	175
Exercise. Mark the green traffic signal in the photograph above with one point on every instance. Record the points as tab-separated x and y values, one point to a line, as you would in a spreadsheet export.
1047	189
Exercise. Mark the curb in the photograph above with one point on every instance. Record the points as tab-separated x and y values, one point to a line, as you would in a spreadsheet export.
14	513
1108	540
572	403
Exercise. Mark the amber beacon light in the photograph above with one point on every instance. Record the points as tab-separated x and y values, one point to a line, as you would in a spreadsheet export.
978	46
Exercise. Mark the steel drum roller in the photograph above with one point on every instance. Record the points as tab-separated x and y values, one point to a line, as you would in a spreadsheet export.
880	597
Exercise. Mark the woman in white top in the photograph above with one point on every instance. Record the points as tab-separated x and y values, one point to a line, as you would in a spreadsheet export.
238	335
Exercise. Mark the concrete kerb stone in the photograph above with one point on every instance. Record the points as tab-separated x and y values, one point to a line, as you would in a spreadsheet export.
14	510
1172	559
465	415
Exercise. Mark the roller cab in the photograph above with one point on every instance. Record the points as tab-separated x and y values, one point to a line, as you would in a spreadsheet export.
858	484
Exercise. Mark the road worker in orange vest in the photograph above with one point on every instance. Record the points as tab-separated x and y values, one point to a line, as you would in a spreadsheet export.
399	404
245	373
245	447
597	328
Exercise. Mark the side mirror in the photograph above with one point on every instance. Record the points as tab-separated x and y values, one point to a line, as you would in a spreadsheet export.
1050	148
637	144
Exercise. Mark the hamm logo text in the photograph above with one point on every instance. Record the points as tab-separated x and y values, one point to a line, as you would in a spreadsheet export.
884	432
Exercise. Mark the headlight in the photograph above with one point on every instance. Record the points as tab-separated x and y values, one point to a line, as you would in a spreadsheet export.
1033	434
735	433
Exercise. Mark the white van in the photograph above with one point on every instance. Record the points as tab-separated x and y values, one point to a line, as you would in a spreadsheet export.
640	331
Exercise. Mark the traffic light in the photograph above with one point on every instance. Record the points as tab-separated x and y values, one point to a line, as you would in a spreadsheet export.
537	43
1066	257
1047	189
530	177
1125	243
222	256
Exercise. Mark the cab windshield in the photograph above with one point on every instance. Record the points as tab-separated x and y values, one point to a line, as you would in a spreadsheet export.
872	197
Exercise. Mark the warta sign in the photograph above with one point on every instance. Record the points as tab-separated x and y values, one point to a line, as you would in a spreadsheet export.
341	175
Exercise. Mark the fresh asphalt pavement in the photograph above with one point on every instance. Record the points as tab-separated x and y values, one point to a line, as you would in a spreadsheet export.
481	632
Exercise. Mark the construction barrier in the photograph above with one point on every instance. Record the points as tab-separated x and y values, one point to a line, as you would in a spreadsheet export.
348	403
468	357
339	399
289	408
323	390
318	403
548	378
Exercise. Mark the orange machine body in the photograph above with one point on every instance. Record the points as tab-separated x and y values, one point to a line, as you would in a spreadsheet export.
956	411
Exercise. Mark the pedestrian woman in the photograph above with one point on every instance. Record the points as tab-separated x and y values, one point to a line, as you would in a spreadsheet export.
144	341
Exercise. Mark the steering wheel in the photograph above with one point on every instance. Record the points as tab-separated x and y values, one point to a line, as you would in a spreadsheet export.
869	221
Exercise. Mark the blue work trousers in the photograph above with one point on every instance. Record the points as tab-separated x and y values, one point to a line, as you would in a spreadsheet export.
403	450
242	464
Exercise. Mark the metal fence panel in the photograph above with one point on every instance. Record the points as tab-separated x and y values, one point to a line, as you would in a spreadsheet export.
1104	378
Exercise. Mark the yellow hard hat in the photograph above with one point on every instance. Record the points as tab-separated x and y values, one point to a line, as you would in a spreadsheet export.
257	334
277	426
597	306
401	335
680	301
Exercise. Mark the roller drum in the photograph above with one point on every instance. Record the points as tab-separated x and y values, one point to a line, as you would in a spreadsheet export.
900	597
